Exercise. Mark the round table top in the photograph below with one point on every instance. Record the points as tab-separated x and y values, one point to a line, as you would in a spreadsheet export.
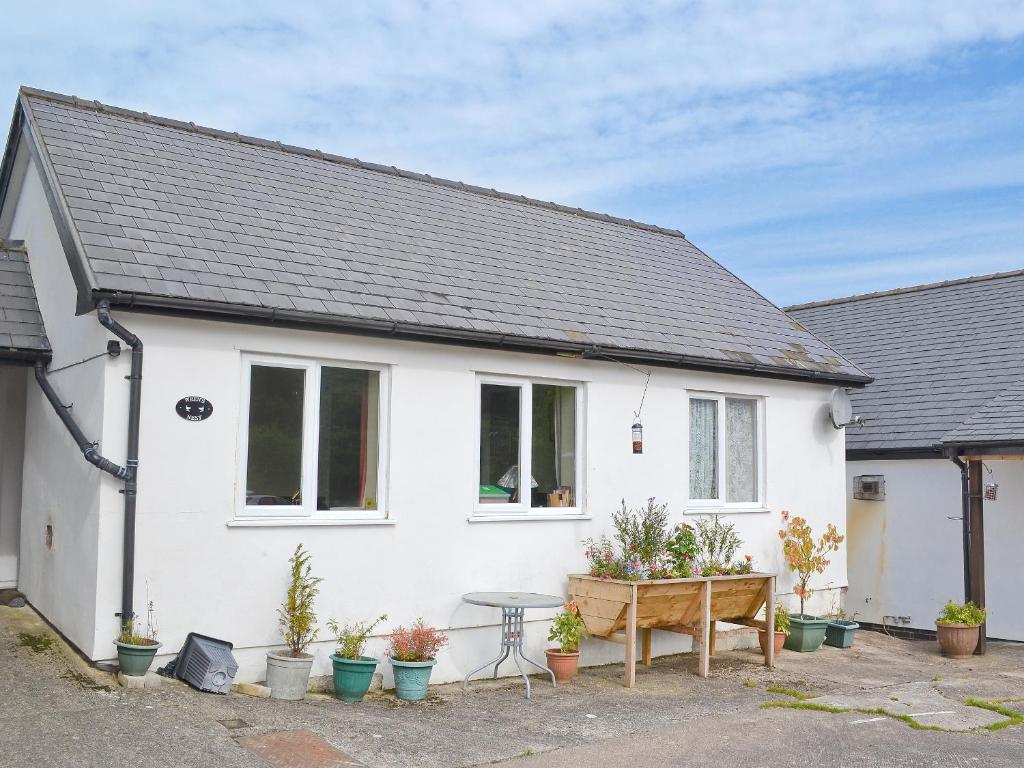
513	599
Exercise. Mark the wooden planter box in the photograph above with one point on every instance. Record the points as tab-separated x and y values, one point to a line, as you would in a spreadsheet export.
614	610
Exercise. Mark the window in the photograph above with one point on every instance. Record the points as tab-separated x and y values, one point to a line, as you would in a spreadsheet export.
529	444
312	439
725	456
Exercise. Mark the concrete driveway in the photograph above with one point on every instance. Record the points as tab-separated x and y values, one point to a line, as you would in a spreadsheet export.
870	705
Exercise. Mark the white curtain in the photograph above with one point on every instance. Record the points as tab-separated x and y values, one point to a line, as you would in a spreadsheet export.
703	449
740	450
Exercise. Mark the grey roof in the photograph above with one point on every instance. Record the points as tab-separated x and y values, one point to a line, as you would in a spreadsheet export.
942	355
210	219
22	335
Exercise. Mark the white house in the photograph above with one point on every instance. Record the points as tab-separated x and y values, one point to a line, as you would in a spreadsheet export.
944	425
384	358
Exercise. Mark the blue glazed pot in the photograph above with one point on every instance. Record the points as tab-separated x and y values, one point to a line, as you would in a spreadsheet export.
352	677
411	678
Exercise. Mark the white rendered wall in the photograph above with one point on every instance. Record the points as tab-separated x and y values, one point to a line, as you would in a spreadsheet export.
207	577
59	488
12	448
906	555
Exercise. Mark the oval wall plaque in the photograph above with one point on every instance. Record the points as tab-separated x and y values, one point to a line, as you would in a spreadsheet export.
194	408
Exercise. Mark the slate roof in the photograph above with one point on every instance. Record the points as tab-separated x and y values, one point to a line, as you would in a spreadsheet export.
22	335
209	219
948	360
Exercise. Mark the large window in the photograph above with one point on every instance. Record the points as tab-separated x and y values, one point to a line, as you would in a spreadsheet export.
312	439
726	451
529	445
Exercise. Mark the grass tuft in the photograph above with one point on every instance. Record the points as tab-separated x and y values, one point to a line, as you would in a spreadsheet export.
750	684
791	692
804	705
1013	717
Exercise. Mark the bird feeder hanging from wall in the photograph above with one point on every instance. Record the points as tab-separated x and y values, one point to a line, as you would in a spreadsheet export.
638	437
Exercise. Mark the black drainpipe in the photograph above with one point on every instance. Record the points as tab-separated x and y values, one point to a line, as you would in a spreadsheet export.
966	518
131	482
128	473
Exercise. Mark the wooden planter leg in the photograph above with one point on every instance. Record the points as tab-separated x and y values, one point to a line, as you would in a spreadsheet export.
631	641
646	636
769	615
704	668
711	646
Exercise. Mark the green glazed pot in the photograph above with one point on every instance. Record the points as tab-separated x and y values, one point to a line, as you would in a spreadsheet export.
352	677
134	660
839	633
806	633
411	678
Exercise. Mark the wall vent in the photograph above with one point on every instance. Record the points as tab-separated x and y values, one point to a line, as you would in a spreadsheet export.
869	487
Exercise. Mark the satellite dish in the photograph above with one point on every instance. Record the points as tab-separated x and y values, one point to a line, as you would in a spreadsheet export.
841	409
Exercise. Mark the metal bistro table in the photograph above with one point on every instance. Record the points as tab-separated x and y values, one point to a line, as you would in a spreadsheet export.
513	606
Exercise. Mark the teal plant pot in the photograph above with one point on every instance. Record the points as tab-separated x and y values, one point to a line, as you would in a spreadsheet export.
806	633
412	678
134	660
352	677
839	634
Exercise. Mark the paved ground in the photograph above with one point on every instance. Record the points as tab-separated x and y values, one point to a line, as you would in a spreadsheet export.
54	711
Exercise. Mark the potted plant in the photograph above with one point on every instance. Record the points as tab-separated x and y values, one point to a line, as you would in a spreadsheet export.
288	670
135	649
959	629
353	672
806	556
780	633
841	629
413	654
566	630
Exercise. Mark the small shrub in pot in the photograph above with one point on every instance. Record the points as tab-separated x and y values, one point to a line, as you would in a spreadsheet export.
780	632
413	654
288	670
353	671
959	628
567	629
136	647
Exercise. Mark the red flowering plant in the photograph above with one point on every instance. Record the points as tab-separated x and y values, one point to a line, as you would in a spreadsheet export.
805	556
567	628
416	643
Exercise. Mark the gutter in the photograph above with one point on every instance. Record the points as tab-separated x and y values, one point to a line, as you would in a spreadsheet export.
414	332
128	473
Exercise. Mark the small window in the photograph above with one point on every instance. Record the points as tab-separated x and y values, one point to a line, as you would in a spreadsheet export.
312	439
725	450
528	463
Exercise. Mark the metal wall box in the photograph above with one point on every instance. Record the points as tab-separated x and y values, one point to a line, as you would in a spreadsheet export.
869	487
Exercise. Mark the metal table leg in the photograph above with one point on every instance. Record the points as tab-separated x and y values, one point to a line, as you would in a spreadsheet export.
512	636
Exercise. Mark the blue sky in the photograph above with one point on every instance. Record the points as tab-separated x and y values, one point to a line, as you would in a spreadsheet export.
817	149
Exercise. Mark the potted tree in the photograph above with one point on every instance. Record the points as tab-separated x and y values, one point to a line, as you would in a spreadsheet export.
959	629
566	630
353	672
806	556
780	633
135	648
413	654
288	670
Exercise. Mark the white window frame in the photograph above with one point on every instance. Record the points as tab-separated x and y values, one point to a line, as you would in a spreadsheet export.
311	441
521	508
720	504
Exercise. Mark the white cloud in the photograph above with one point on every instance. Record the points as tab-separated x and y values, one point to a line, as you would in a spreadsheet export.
644	109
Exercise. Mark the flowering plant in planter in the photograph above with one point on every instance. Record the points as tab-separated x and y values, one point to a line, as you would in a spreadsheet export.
568	628
413	653
805	556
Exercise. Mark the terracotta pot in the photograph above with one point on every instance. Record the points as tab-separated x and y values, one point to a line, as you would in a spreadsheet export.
958	641
762	638
564	665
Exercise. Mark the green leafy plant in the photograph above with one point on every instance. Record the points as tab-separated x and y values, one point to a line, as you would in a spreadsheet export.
805	556
132	634
641	532
296	616
352	638
717	543
682	548
962	613
782	619
416	643
568	628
